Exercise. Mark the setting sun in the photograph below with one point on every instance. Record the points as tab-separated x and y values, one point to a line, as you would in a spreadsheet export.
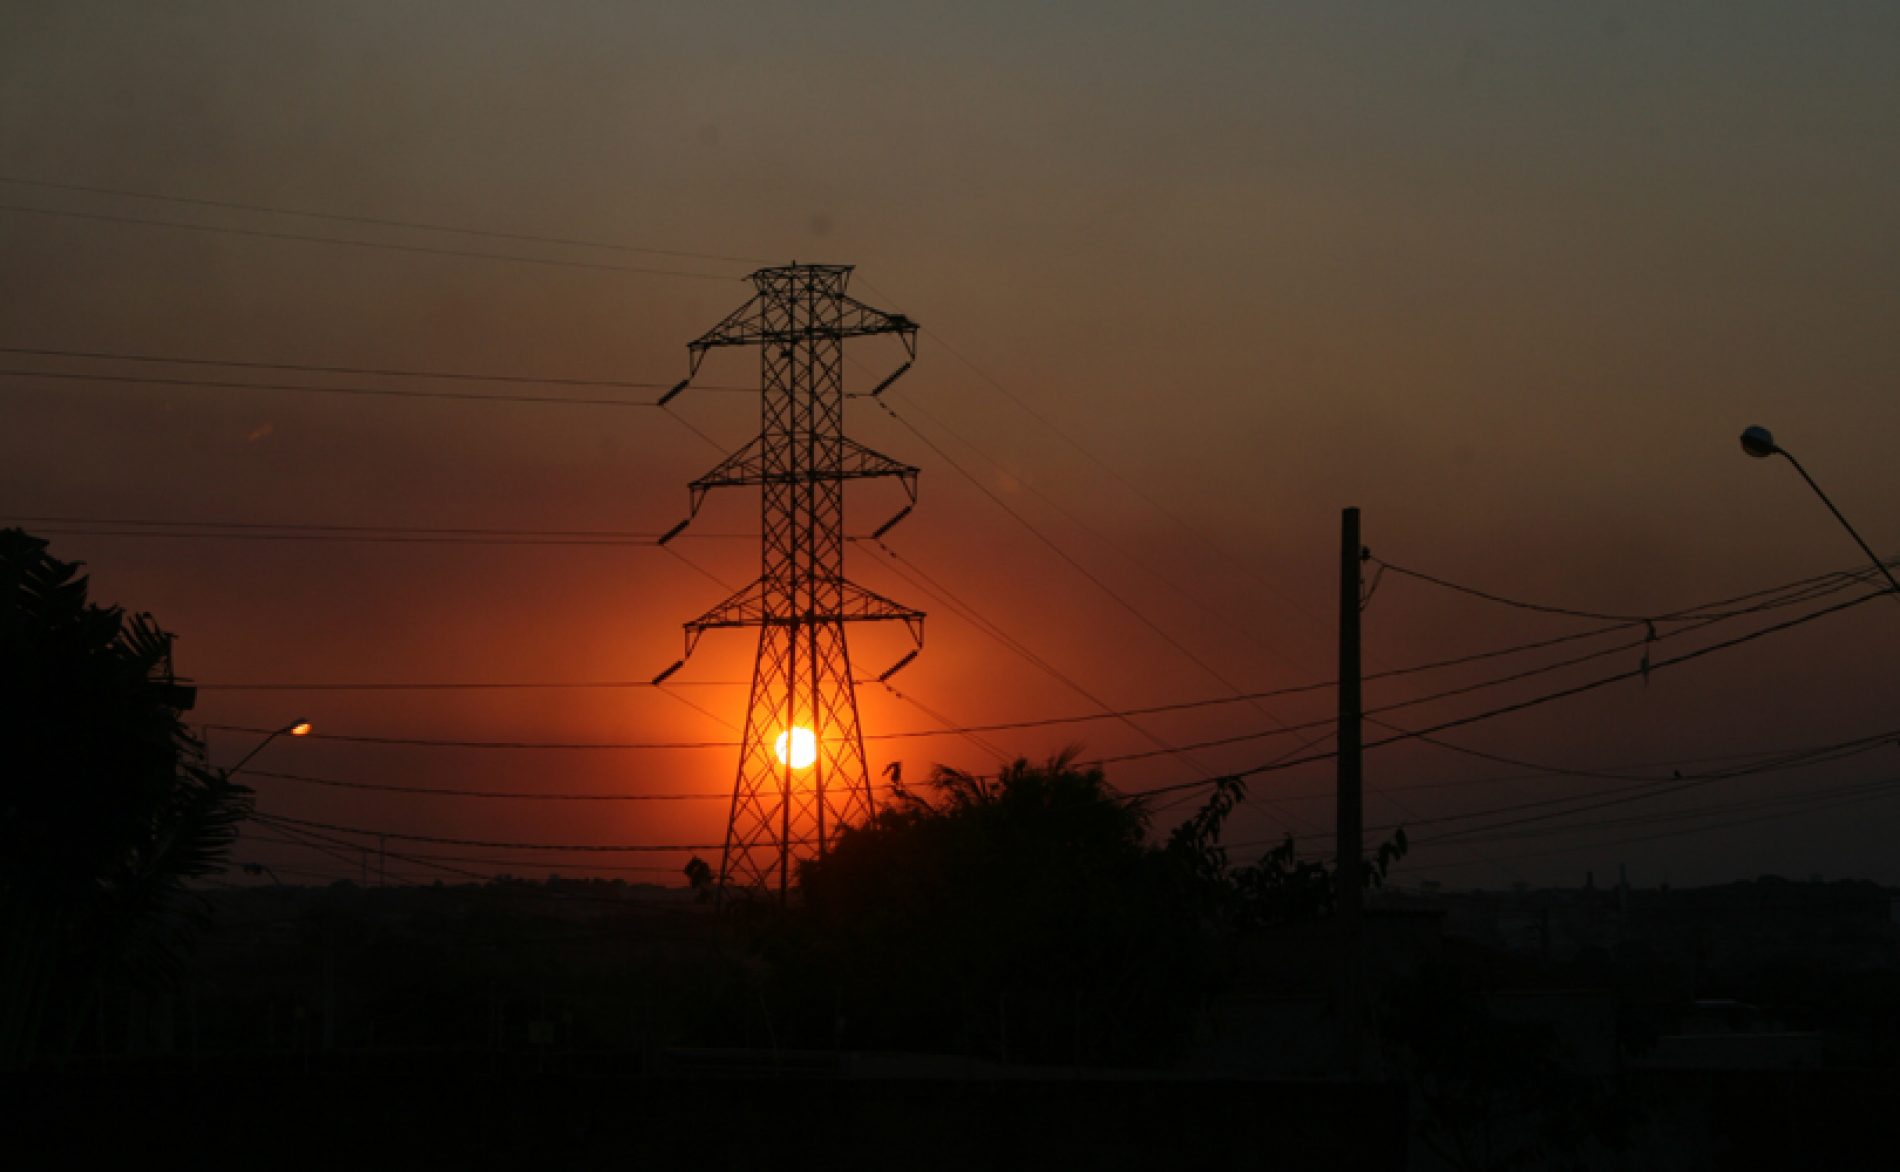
802	751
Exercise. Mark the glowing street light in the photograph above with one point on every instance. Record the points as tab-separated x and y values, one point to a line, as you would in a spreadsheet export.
296	728
1760	443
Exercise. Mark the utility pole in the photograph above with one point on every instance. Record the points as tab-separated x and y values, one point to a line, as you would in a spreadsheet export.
802	775
1349	816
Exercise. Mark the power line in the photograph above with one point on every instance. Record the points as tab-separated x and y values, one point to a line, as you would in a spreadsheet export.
1800	807
949	726
1092	577
1464	689
1628	794
1649	789
372	221
1772	762
1755	761
921	579
1786	805
343	538
505	795
578	847
374	371
1073	562
1535	701
448	743
1178	590
1692	614
1114	473
319	847
301	526
326	389
290	826
423	858
1163	748
379	245
462	685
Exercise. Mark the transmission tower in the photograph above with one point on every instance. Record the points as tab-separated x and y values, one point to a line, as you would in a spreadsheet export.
802	774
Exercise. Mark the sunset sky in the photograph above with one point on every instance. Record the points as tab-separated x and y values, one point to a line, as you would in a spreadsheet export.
1510	278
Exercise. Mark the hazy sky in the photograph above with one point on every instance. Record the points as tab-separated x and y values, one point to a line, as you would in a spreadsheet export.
1509	277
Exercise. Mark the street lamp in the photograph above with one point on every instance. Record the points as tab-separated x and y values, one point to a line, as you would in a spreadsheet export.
1760	443
296	728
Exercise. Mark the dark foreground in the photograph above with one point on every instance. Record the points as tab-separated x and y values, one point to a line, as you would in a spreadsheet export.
714	1113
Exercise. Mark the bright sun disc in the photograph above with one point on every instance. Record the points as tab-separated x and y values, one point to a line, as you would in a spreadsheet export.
797	748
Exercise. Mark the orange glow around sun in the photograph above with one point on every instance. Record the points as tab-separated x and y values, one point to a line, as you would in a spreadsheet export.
797	748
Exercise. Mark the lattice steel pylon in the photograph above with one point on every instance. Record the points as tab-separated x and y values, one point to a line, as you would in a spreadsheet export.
802	775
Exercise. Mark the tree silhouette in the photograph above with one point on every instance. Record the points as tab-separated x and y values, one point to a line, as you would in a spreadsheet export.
1280	887
1020	917
107	807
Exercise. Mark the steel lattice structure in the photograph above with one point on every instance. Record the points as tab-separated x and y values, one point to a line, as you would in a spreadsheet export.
784	808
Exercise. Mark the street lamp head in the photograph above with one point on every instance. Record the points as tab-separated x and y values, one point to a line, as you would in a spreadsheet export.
299	728
1759	442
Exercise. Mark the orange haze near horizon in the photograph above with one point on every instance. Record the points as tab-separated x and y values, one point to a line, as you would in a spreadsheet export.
1510	280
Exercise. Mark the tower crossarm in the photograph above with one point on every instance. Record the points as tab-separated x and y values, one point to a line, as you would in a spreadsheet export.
757	322
750	325
748	607
749	465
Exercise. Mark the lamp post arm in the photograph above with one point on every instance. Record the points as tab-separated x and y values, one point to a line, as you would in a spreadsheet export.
1851	531
246	760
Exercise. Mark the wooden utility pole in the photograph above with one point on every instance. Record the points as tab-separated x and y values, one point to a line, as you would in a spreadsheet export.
1349	816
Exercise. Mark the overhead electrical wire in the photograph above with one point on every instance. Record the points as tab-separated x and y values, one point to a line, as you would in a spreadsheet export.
1382	791
1798	807
487	860
375	245
578	848
373	371
451	743
1145	566
921	579
313	838
370	221
1123	714
1754	761
1583	615
1755	764
327	389
1537	701
1371	714
303	526
500	795
1884	787
1074	563
1649	789
1077	565
1787	805
342	538
1106	467
1689	615
1577	803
